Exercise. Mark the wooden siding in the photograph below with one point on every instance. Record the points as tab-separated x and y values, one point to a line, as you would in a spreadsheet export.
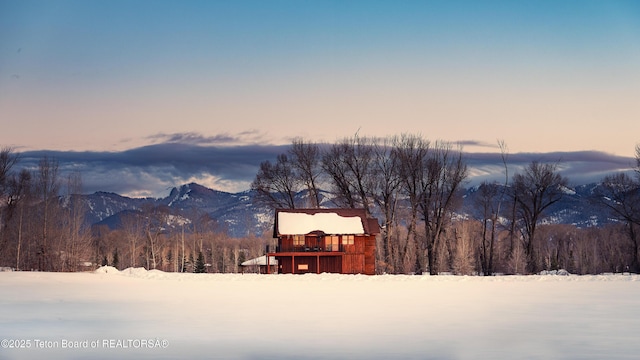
330	264
316	256
361	260
370	255
303	263
353	263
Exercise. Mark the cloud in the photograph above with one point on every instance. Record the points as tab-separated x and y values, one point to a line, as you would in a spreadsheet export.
154	169
476	143
194	138
580	167
223	162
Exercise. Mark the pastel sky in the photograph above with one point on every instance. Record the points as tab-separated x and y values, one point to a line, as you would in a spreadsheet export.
112	75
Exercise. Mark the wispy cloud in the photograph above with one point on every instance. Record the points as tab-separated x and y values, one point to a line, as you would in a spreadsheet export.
476	143
195	138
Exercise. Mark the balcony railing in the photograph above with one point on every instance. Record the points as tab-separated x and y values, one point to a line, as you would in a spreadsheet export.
308	248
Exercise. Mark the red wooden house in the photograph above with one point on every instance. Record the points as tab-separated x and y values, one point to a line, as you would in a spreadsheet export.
325	240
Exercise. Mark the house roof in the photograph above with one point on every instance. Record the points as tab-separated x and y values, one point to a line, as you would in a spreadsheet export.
328	221
261	260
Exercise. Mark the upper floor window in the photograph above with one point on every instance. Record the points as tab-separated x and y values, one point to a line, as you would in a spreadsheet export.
298	240
347	239
332	242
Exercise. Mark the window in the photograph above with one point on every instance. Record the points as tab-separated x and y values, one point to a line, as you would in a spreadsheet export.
347	239
303	266
298	240
332	242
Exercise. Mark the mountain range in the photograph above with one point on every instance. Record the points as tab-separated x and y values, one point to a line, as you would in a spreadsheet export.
242	216
234	211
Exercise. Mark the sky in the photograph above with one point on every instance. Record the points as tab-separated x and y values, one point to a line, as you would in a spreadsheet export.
114	77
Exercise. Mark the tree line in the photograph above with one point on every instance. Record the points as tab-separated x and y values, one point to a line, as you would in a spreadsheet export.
412	185
415	188
43	228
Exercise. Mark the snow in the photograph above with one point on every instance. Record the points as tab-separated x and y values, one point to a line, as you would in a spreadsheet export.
262	260
329	223
140	314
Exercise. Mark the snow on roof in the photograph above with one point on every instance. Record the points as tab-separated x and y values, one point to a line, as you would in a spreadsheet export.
293	223
262	260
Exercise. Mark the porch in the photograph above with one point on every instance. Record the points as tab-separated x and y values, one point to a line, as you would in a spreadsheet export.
314	262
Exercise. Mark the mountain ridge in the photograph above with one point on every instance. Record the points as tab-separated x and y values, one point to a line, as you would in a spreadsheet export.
242	216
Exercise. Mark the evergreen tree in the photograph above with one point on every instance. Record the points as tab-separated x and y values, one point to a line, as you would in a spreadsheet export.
199	265
115	262
190	264
242	258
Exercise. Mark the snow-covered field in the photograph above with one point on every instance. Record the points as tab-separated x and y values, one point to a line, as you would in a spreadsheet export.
136	313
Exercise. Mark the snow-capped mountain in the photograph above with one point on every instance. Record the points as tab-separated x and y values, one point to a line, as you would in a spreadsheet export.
235	212
577	207
241	216
102	205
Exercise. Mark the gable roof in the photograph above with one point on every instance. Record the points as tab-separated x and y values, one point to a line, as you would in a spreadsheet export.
328	221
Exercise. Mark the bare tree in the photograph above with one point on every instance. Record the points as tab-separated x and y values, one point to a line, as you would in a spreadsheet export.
349	165
76	238
440	193
556	246
464	254
8	159
47	190
305	158
386	185
21	195
336	168
359	160
620	194
133	231
156	221
518	260
276	184
411	152
490	199
534	190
